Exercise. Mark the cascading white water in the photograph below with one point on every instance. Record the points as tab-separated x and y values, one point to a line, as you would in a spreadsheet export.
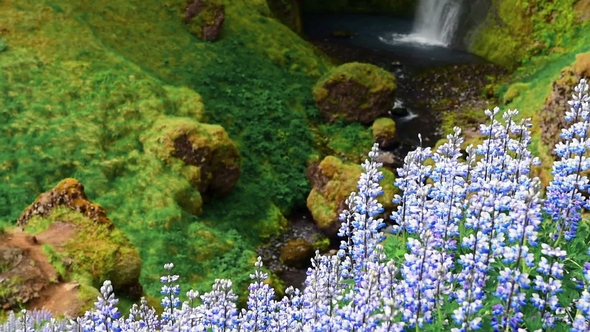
436	20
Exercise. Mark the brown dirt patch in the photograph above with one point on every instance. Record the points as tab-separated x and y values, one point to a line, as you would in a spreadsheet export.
40	281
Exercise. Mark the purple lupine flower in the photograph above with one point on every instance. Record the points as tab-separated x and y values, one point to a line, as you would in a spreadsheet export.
170	290
220	307
106	314
261	304
564	192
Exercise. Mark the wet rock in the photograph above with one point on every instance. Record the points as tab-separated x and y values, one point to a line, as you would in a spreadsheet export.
70	193
297	253
400	112
355	92
205	18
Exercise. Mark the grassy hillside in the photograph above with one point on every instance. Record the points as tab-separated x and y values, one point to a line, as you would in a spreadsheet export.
82	81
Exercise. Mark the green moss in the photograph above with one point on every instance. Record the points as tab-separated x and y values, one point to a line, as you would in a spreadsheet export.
515	31
55	259
321	243
514	91
373	77
255	82
384	127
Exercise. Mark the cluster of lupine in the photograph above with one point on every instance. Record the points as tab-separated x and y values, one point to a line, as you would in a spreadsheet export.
483	251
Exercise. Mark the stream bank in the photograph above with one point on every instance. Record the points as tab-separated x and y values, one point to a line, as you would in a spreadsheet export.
433	94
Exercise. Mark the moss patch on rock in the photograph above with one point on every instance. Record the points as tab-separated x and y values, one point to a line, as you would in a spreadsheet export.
332	182
205	18
385	132
355	92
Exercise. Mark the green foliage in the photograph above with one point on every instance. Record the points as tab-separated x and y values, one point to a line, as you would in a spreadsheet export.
55	259
3	46
348	141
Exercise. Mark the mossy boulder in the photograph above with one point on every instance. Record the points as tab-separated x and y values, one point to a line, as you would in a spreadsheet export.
86	252
205	18
202	153
332	182
385	133
297	253
399	8
356	92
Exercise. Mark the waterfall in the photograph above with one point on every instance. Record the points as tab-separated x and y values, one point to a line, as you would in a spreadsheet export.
436	20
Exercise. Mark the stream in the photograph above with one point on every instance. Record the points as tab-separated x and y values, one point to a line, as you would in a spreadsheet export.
431	78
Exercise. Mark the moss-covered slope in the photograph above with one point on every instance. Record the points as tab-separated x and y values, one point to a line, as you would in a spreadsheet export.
516	30
81	81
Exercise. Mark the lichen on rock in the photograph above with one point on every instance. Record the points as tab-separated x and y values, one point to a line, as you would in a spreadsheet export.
70	193
356	92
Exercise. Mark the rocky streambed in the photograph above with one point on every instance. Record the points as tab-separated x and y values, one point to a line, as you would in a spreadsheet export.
431	96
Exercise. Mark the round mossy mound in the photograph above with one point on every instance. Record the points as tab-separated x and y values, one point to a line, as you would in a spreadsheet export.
356	92
202	153
385	132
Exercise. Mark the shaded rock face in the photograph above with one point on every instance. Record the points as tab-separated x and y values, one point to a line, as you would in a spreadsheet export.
205	18
355	92
69	192
297	253
552	115
473	16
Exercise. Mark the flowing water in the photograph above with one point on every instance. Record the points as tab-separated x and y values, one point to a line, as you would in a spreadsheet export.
436	21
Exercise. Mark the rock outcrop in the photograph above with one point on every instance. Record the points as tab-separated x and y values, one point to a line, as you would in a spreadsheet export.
65	255
69	193
332	182
205	18
297	253
355	92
